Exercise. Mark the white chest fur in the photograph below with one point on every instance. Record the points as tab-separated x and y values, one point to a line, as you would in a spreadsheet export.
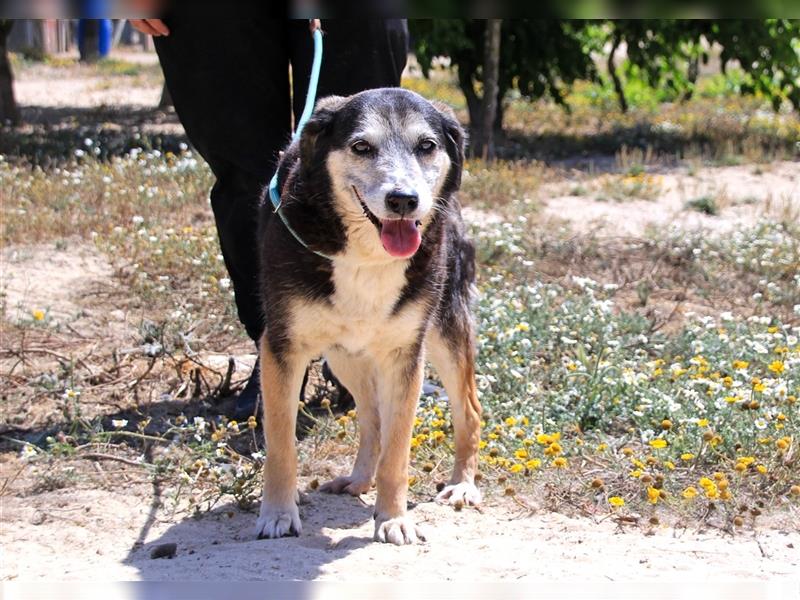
358	317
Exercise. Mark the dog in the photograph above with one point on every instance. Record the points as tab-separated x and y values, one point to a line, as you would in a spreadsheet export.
371	269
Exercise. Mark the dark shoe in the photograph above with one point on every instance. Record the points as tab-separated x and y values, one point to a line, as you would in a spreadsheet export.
344	399
248	400
431	389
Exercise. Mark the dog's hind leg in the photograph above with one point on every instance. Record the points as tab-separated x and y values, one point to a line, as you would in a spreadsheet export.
280	388
399	387
454	360
358	376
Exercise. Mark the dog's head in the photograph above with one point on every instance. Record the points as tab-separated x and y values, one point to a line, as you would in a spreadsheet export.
393	159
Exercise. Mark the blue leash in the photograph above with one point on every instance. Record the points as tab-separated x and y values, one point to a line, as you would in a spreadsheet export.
311	95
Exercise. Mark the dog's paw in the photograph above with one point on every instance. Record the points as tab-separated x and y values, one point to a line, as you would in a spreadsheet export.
398	531
349	485
465	493
275	522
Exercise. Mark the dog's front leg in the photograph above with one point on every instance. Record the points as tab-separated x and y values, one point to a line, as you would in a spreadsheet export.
280	387
457	371
399	387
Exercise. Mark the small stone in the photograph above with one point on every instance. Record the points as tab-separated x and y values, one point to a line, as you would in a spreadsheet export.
38	518
164	550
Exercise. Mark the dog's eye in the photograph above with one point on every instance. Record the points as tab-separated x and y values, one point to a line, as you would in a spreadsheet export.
426	146
361	147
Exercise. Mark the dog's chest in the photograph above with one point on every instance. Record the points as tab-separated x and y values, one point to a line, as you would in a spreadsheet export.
359	315
367	292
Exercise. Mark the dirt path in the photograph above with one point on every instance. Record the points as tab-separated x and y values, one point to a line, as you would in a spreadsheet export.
109	536
743	195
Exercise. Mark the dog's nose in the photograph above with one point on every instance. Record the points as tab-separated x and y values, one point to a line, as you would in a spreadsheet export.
401	202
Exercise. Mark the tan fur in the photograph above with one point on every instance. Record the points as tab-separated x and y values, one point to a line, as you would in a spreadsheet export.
280	388
457	371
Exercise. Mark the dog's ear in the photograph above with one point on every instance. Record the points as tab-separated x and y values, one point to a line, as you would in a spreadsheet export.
454	140
320	123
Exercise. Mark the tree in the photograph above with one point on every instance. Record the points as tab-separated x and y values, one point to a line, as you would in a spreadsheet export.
543	57
90	46
8	105
537	57
667	54
491	68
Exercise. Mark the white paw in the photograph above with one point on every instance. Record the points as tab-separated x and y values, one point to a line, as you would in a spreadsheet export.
350	485
275	522
398	531
465	492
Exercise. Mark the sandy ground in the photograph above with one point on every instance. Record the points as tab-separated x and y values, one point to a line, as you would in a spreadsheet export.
51	279
109	535
39	86
744	194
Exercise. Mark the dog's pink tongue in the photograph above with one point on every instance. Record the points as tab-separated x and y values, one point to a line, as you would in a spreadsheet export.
400	237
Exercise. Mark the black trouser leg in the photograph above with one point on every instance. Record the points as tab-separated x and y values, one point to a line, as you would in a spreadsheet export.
358	55
228	80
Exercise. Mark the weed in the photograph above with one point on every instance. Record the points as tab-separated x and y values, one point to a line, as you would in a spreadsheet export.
704	204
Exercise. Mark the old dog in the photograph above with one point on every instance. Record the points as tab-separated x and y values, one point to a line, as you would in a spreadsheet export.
369	266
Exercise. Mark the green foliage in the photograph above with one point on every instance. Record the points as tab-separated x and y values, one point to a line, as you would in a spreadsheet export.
664	58
538	57
668	53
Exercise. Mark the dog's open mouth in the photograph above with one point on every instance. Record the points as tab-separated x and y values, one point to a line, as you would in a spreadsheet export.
401	238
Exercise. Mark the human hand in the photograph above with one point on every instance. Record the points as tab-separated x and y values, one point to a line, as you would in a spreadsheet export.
154	27
314	24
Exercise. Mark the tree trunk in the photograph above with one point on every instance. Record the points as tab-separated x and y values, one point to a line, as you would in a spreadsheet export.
166	98
466	77
8	105
692	73
491	71
612	71
91	41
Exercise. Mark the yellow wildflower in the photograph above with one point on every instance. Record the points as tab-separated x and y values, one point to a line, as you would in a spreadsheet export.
690	492
560	462
658	443
653	495
776	367
38	315
687	456
616	501
521	454
533	463
548	438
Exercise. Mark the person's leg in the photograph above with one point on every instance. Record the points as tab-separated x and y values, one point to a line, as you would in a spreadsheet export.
358	54
229	82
